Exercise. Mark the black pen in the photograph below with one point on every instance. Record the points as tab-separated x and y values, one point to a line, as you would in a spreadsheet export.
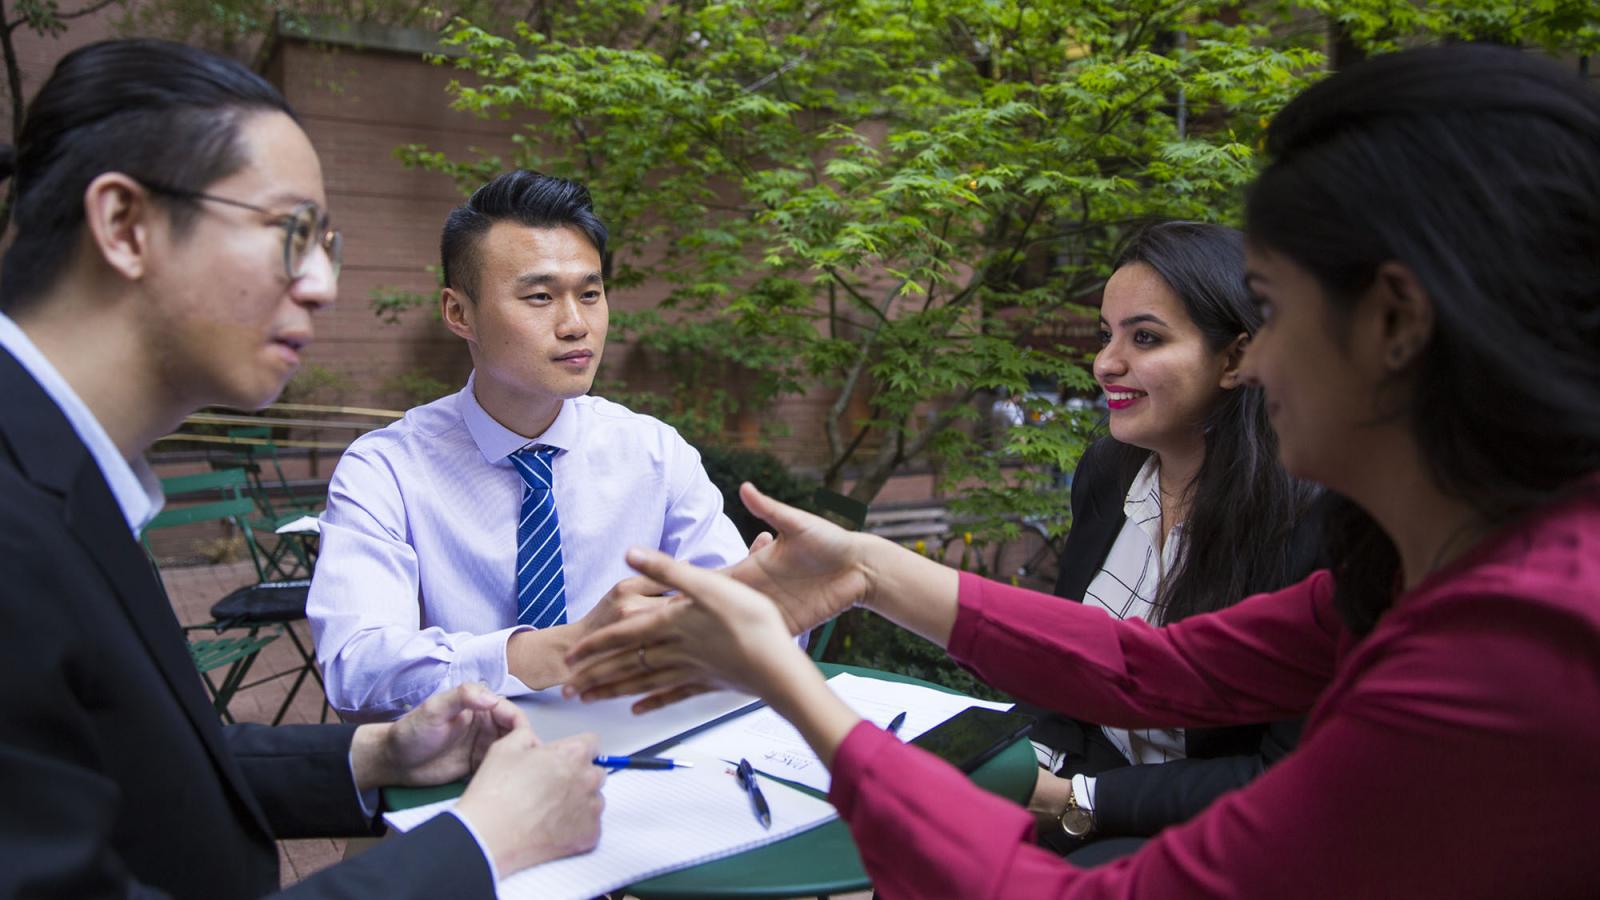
641	762
747	780
895	723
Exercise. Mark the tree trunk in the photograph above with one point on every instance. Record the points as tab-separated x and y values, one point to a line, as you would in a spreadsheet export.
14	85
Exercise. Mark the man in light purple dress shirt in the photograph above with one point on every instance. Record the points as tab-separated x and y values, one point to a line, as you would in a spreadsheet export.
415	589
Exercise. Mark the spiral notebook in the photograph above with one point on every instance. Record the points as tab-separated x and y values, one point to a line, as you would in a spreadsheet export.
654	823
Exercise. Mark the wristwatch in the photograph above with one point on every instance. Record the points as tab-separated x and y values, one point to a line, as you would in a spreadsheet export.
1076	821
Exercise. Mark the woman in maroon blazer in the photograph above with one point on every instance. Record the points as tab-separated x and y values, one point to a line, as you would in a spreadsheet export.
1425	248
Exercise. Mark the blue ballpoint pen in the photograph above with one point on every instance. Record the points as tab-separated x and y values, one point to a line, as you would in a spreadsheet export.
895	723
641	762
747	780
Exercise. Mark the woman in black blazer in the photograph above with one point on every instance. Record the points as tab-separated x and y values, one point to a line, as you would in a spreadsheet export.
1174	321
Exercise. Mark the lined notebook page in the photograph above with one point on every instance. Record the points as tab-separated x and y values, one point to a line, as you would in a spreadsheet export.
654	823
774	747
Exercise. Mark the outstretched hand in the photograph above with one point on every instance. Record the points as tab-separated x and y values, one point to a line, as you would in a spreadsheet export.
814	570
718	633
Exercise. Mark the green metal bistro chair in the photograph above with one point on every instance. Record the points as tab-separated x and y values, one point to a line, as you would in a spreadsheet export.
222	660
267	609
252	450
281	604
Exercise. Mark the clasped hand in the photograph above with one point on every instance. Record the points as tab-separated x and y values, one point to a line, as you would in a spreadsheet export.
729	629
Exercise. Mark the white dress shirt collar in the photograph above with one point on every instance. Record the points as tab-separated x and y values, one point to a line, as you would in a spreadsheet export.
1142	507
496	442
133	485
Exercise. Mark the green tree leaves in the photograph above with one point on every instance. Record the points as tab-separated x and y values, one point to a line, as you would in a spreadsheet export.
893	206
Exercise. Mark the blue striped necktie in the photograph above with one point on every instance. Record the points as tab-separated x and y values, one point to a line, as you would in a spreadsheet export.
541	585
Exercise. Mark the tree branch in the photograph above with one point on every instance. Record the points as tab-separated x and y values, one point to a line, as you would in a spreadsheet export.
830	478
770	77
857	369
944	419
883	315
14	85
87	10
836	409
883	465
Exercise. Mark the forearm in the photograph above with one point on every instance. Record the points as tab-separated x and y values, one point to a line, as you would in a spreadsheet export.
370	761
897	800
381	670
910	590
798	692
1142	800
301	776
1049	798
1264	658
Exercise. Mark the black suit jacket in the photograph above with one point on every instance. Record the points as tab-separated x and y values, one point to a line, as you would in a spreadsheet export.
1141	800
115	777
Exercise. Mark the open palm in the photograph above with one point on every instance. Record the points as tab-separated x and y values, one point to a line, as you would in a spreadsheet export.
813	571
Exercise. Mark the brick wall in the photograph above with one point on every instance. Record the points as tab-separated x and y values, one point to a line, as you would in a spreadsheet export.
358	104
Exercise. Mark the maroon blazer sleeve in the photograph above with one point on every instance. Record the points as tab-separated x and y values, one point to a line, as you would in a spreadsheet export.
1450	753
1265	658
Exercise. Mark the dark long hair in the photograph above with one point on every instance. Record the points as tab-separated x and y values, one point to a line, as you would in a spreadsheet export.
153	110
1243	505
1478	168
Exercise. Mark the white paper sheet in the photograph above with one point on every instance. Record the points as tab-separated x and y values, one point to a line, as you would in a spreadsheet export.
657	822
773	746
621	732
302	525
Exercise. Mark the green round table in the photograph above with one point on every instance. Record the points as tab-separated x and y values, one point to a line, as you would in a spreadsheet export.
814	863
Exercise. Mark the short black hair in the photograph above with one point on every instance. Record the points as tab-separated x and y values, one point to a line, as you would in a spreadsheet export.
155	110
526	197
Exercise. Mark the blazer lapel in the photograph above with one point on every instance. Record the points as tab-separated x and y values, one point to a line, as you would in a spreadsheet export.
1096	525
50	453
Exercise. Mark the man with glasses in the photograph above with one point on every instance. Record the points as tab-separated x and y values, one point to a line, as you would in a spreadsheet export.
170	249
304	226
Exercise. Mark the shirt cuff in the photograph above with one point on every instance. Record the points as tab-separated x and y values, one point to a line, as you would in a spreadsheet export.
369	799
1083	792
1049	757
483	848
510	685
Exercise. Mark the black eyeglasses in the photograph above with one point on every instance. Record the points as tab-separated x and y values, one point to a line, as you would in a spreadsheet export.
305	224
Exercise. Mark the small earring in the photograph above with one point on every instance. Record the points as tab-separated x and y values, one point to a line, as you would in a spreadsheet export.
1398	354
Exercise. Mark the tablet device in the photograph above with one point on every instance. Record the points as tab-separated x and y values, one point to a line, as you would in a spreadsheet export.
971	737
